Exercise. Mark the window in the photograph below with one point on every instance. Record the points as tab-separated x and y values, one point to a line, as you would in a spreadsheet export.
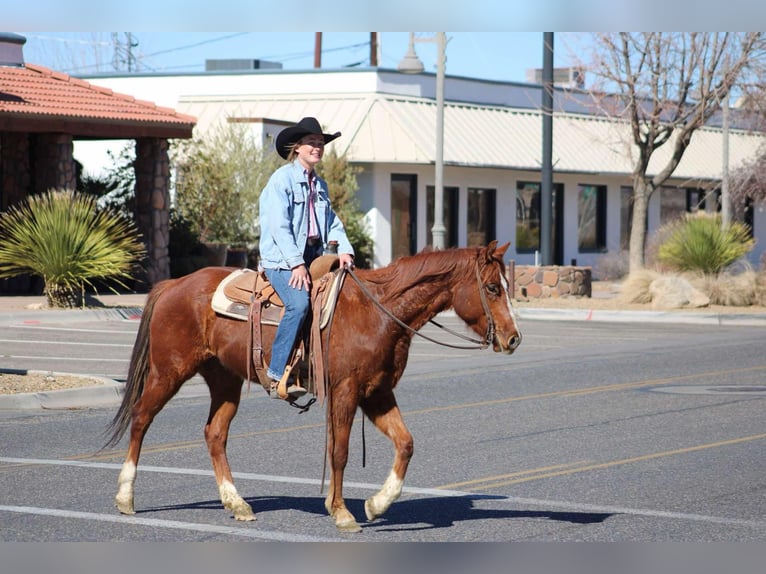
591	217
626	216
698	199
403	214
527	217
450	215
481	216
673	204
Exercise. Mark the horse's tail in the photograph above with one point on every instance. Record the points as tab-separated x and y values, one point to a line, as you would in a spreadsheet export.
137	372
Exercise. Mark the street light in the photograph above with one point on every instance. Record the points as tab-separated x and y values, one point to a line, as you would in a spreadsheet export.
411	64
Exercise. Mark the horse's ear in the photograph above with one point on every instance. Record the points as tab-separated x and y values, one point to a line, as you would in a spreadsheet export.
495	252
500	251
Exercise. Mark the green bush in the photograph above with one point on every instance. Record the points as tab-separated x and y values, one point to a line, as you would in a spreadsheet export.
64	238
342	186
219	180
699	243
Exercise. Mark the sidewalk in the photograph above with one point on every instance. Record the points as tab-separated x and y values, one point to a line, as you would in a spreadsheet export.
15	309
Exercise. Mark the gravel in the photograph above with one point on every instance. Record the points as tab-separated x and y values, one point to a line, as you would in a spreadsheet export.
14	383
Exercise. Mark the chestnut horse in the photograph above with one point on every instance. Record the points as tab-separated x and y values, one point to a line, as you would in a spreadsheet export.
370	335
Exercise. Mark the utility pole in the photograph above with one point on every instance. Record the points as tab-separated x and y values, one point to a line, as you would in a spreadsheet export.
725	199
318	49
373	49
546	191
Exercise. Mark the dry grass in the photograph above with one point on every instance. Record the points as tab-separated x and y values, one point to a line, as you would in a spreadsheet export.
635	287
725	289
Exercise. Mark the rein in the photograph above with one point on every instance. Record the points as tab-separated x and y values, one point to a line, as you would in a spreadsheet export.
479	343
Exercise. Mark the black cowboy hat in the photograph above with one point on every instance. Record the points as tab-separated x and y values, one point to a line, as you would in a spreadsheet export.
305	127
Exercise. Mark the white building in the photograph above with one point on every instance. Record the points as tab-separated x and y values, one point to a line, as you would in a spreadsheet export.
492	154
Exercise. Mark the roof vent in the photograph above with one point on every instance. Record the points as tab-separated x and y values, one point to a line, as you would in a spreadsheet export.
564	77
240	64
12	49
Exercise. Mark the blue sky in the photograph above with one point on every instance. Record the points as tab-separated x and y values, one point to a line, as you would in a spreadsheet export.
497	39
502	56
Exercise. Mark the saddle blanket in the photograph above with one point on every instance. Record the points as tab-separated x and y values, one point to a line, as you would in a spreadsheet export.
232	297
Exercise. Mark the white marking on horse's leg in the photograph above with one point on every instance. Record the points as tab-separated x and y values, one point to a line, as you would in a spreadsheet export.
234	502
378	503
124	498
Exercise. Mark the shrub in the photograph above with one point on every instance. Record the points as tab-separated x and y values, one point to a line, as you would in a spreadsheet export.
342	186
699	243
611	266
219	180
635	288
64	238
726	288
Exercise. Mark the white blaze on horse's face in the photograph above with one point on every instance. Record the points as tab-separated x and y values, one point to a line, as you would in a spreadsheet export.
514	341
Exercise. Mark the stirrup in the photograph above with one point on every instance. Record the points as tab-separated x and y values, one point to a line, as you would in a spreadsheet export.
293	392
281	390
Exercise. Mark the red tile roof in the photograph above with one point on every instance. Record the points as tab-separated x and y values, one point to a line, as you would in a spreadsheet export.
34	98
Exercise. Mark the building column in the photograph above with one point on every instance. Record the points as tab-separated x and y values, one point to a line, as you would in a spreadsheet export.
53	154
14	168
152	168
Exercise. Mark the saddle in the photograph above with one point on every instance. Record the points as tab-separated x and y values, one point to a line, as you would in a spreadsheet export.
247	295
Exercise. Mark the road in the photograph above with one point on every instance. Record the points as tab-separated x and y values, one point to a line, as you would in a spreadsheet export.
590	432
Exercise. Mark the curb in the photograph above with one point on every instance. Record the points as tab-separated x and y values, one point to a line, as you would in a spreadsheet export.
695	318
71	315
108	393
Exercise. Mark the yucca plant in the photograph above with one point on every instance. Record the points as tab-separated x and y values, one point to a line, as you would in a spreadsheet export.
699	243
64	238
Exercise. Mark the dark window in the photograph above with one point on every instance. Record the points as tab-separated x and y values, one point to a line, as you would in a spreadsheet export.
626	216
591	217
527	217
450	215
481	216
403	215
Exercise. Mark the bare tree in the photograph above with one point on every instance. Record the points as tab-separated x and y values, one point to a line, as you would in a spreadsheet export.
667	85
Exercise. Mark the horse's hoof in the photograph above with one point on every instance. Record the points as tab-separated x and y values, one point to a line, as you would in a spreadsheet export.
125	507
348	526
241	511
368	511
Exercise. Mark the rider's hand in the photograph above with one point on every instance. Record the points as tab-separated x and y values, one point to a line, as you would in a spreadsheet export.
346	261
300	278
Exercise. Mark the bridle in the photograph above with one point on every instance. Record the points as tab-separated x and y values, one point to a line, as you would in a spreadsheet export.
478	343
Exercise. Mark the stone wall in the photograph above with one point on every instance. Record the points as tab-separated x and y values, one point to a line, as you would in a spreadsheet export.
536	282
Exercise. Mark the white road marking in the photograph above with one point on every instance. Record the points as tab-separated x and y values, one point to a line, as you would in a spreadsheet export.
173	524
83	344
592	508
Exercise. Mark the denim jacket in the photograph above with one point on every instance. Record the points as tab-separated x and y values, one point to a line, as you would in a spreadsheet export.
283	217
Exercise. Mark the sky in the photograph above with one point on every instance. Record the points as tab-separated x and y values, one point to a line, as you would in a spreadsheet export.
495	39
500	56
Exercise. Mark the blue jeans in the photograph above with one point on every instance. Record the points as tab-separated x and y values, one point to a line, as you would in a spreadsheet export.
297	305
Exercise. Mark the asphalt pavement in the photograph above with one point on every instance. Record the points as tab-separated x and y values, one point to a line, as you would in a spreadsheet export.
18	310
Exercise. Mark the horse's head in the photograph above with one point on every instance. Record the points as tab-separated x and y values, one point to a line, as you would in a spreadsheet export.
485	302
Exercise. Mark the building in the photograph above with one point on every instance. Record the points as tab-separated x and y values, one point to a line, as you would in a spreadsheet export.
42	114
492	154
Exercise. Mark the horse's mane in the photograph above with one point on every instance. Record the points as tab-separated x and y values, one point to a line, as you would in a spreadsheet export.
406	271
